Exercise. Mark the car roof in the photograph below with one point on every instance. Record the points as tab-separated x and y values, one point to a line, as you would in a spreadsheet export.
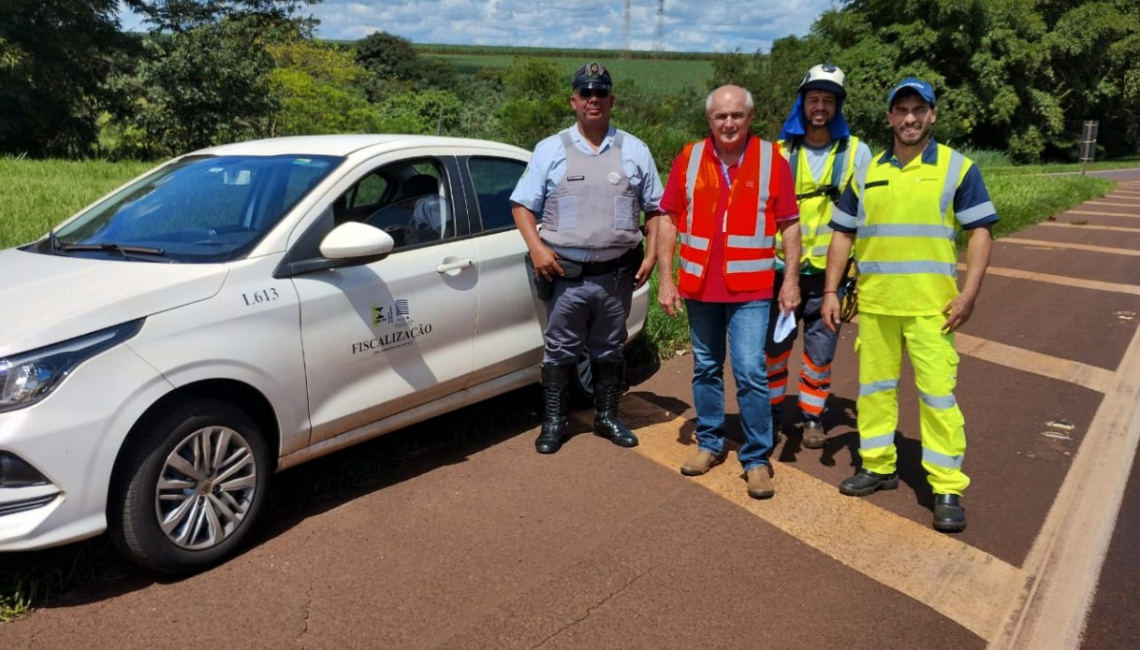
348	144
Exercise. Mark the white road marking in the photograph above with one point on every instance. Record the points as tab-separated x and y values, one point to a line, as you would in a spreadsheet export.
963	583
1066	559
1094	213
1087	226
1074	372
1063	245
1061	279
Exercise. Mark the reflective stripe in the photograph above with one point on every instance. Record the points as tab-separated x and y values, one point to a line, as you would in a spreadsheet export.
898	268
751	266
691	172
692	241
860	182
885	440
938	402
751	241
951	186
765	179
778	367
776	392
842	218
906	230
941	460
819	251
812	400
980	211
817	376
692	268
878	387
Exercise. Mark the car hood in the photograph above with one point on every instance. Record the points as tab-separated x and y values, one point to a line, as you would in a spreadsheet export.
45	299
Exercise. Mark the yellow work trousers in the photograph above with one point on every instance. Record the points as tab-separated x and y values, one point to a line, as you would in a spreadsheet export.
880	346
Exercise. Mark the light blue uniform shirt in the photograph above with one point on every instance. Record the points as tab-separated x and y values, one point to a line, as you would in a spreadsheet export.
548	167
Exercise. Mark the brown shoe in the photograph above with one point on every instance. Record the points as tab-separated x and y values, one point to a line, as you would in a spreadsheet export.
760	482
814	435
701	462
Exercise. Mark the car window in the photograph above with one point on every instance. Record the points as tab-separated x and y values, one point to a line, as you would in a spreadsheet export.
371	190
414	206
201	208
494	180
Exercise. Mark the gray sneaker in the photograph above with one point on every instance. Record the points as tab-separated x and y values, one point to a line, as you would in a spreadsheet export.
814	435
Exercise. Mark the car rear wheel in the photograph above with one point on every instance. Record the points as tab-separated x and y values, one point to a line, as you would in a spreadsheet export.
189	493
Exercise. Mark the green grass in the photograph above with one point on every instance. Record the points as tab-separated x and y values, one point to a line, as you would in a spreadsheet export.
1061	168
436	49
38	194
1022	200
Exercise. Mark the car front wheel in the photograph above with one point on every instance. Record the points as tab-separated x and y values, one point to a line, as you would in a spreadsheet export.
194	483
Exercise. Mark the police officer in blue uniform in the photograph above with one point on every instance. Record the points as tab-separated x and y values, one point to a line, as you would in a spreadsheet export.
591	183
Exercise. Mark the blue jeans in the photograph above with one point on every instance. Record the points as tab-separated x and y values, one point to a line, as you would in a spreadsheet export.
746	327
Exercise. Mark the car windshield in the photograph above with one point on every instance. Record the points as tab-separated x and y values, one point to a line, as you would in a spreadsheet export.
197	209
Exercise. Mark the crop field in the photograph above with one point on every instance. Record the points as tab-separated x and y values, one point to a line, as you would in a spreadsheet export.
663	76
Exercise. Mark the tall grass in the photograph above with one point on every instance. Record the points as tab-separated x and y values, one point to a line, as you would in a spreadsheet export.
38	194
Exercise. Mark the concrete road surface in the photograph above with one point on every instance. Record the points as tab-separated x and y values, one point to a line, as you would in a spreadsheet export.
485	544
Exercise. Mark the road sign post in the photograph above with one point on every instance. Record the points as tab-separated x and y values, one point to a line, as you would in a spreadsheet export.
1088	142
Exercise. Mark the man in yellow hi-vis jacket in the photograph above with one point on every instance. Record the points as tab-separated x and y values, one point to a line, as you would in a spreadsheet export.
823	156
902	214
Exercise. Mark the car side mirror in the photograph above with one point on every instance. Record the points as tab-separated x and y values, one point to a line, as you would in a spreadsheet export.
353	240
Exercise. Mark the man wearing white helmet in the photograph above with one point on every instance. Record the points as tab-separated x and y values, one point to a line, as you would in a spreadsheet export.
823	155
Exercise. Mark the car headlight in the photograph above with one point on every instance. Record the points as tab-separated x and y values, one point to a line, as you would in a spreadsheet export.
28	377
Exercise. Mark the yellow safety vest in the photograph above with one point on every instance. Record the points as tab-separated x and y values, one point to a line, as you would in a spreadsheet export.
905	240
816	199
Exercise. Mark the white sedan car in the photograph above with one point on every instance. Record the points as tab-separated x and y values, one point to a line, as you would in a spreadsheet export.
243	309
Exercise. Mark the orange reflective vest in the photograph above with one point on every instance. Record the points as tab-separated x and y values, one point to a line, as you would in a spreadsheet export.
749	226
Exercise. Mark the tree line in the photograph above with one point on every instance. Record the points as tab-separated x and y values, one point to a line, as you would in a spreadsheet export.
1017	76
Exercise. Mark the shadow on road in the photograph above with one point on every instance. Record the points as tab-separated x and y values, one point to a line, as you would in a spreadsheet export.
93	570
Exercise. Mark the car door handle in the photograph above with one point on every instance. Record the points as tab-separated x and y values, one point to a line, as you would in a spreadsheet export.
455	266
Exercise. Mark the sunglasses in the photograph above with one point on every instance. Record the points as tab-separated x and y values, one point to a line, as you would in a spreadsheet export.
600	93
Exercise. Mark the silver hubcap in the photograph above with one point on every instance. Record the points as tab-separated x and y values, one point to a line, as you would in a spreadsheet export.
206	487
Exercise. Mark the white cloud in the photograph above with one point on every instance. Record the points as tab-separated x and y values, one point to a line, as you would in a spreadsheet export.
593	24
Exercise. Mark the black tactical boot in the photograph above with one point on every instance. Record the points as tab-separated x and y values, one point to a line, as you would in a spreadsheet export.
865	482
554	422
949	517
607	394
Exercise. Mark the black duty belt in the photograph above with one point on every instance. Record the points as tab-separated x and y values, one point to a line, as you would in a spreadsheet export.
629	259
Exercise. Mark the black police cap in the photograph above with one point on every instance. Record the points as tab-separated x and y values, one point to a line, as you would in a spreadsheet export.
592	75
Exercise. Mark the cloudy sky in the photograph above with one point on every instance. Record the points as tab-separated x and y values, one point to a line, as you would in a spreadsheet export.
689	25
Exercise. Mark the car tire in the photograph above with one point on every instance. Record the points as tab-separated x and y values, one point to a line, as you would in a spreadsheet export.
195	480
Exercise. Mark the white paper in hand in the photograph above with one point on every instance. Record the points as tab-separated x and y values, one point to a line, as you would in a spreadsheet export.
785	325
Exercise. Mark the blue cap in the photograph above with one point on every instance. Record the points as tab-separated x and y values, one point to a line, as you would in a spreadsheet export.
592	75
910	84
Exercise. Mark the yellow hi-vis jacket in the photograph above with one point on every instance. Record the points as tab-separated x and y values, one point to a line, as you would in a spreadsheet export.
816	199
906	227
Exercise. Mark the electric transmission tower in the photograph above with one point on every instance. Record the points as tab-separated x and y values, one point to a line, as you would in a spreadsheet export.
625	34
659	32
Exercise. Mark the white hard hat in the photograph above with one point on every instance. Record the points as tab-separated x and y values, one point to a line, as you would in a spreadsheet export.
824	77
